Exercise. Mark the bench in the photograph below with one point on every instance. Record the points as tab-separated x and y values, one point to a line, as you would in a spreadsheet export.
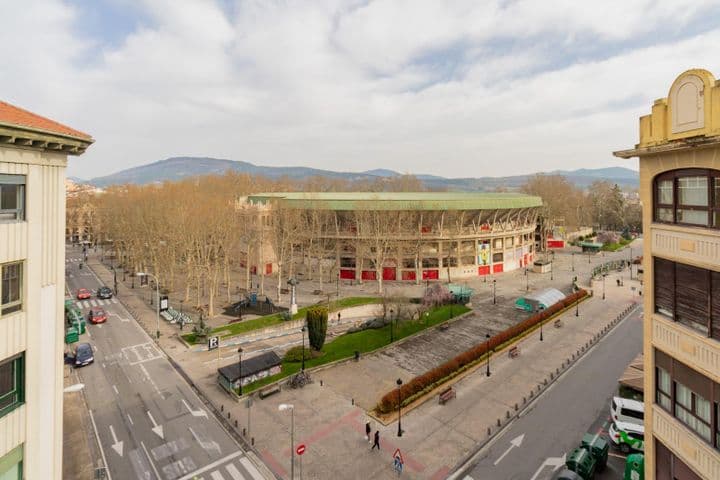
266	392
166	316
557	323
513	352
446	395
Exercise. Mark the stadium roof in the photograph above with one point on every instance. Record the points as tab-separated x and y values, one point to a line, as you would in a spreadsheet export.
398	200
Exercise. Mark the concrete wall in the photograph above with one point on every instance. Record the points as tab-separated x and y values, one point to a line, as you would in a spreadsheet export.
38	328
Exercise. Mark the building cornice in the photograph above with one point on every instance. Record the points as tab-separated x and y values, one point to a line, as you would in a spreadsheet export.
676	146
35	139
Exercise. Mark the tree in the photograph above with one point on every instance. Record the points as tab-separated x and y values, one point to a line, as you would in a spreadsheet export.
317	319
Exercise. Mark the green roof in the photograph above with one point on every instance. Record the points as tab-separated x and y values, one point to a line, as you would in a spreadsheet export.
398	200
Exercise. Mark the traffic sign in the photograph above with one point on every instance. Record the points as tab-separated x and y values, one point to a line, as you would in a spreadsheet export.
213	342
300	449
164	303
398	455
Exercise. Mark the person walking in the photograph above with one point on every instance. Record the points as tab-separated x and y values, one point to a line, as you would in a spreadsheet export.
367	431
376	443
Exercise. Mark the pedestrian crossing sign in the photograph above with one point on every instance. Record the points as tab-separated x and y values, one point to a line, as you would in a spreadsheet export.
398	456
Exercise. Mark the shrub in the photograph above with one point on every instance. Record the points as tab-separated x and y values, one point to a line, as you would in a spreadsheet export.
428	380
295	354
317	318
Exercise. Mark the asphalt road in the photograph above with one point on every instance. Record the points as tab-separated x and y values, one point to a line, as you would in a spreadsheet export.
554	425
149	423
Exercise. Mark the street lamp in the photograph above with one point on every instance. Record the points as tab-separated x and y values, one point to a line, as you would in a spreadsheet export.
303	348
527	281
337	287
577	303
487	353
289	406
494	299
115	278
551	265
157	306
240	370
572	259
540	309
603	277
392	339
630	263
399	384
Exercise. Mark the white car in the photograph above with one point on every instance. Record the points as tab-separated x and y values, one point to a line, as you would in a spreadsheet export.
627	436
626	410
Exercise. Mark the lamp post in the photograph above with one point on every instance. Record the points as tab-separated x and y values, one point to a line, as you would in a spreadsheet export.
303	348
577	303
630	263
494	299
288	406
240	370
392	338
337	285
157	306
572	259
527	281
603	277
551	265
540	309
115	279
487	353
399	384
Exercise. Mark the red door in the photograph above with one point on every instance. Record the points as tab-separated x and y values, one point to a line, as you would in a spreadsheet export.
347	274
389	273
268	269
368	275
408	275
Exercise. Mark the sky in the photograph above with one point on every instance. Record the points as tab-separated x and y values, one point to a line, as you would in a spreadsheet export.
452	88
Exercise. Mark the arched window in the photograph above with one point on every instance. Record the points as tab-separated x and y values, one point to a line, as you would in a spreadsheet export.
688	197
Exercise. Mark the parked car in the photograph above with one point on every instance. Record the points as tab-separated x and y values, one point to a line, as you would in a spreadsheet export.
626	410
97	315
83	294
83	354
104	292
566	474
627	436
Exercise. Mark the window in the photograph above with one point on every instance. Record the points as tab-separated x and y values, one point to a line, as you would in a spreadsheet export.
628	412
10	288
12	198
689	197
497	258
11	464
12	386
664	386
693	410
688	295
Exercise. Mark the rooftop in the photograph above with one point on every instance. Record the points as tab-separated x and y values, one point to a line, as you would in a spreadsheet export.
26	129
398	200
251	366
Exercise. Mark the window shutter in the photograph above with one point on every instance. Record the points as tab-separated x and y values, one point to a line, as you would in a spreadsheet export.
664	284
692	291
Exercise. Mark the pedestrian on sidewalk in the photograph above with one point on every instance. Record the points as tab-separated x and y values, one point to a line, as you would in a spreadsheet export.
376	443
367	431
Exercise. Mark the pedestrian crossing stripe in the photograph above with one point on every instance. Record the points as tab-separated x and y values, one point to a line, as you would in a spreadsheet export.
95	303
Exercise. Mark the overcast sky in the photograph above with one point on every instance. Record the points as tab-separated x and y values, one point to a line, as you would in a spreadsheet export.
454	88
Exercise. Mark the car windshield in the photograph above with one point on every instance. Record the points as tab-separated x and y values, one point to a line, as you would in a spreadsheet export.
84	350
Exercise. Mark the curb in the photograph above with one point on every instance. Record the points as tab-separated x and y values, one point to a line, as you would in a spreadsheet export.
463	464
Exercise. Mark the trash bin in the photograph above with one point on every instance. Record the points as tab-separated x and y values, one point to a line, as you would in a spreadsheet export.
357	355
598	447
635	467
582	462
79	325
71	335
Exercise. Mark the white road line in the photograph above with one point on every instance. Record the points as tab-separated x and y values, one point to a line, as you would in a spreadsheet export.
152	382
116	390
93	303
114	300
157	474
251	469
130	419
211	466
234	472
102	452
104	367
215	475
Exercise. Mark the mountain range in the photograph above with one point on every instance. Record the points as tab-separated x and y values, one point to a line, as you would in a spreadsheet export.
177	168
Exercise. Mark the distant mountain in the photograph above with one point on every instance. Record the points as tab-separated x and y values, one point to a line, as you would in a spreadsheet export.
177	168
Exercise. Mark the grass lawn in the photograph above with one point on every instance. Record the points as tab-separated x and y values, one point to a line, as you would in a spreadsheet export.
232	329
365	341
612	247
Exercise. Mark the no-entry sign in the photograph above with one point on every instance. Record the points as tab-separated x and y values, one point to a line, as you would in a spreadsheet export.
300	449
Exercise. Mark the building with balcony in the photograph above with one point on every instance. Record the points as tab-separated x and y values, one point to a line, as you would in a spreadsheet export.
33	156
408	236
679	155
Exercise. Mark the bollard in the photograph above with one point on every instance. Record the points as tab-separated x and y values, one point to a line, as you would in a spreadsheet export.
539	387
321	383
244	431
507	414
252	441
498	422
489	432
222	408
236	426
516	407
552	376
352	401
524	400
544	383
557	370
531	393
228	415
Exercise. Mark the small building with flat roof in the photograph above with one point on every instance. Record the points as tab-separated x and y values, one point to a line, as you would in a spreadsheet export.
253	369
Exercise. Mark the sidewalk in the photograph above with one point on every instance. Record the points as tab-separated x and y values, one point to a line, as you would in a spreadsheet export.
331	424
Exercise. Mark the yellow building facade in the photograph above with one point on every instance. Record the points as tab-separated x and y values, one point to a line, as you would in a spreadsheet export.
679	155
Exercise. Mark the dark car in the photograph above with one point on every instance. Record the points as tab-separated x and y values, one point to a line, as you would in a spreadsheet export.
97	315
104	292
83	354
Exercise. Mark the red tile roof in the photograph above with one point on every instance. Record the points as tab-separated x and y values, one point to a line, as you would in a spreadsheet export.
12	115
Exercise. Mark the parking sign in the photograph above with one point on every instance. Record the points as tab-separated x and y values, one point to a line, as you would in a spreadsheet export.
213	343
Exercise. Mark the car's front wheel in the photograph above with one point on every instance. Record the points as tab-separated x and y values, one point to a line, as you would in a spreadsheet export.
625	448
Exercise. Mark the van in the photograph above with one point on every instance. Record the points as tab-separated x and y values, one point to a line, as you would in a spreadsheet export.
627	436
626	410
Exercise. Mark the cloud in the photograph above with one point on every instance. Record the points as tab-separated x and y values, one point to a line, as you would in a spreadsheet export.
461	88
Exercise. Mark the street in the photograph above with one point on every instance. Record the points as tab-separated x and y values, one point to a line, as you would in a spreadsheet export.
149	423
535	446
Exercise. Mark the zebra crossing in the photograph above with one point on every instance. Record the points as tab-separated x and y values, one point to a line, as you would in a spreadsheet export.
73	260
236	469
95	302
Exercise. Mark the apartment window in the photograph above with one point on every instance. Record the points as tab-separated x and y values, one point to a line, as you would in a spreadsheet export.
12	384
11	464
693	410
688	197
688	295
10	288
12	198
664	388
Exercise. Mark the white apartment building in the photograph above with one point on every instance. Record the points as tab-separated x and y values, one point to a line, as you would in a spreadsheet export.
33	157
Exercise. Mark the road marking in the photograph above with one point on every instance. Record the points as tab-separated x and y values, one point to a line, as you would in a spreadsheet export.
116	390
515	442
251	469
157	474
205	444
103	365
117	446
102	452
212	465
616	455
152	382
130	419
158	429
215	475
234	472
93	303
195	413
555	462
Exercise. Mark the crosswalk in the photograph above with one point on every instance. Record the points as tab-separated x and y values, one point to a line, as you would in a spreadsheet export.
73	260
234	467
95	302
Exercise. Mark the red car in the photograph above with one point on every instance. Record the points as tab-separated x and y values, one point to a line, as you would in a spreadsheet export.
83	294
97	315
